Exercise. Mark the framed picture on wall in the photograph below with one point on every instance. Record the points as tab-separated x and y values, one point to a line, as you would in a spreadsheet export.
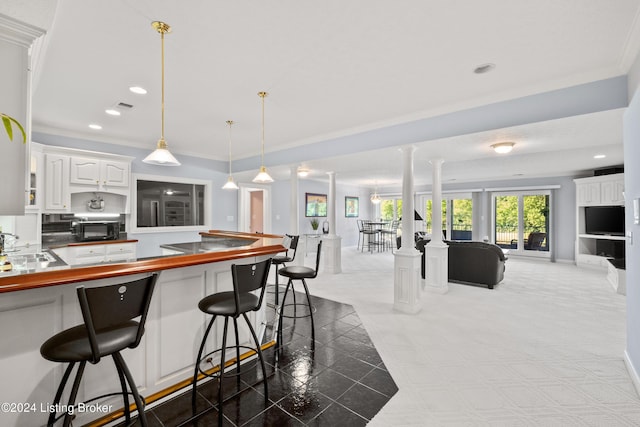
315	204
351	207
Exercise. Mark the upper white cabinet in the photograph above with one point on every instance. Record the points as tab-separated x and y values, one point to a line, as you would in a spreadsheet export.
56	192
99	173
73	177
600	190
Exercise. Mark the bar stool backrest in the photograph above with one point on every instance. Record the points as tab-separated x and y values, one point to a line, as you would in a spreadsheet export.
317	259
293	245
250	278
107	307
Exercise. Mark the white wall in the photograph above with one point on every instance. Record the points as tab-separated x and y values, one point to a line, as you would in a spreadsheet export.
345	227
631	137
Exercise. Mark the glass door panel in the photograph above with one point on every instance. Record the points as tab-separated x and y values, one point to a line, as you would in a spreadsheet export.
536	222
506	211
461	219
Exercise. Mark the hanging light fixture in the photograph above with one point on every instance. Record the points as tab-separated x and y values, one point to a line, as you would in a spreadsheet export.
230	185
161	155
263	176
375	198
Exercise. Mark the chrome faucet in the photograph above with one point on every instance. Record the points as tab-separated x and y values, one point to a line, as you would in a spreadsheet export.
2	237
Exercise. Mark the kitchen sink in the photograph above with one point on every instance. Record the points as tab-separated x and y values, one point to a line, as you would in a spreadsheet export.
31	261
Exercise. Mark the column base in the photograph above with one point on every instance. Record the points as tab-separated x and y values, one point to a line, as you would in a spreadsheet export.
437	267
332	253
406	287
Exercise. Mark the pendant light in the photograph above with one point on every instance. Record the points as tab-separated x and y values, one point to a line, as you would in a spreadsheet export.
263	176
230	185
161	155
375	199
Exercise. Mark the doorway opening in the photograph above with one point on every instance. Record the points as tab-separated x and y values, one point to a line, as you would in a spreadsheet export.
254	210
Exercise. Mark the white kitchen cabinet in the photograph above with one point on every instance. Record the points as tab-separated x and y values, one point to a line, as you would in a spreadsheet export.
600	190
99	173
57	197
605	190
72	177
612	192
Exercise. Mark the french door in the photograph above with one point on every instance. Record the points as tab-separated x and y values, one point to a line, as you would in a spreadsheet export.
521	222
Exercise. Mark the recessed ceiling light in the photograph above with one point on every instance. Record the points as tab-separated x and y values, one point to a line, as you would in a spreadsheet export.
503	147
139	90
112	112
599	156
484	68
95	127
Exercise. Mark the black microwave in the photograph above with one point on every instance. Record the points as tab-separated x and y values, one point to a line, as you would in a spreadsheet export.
86	231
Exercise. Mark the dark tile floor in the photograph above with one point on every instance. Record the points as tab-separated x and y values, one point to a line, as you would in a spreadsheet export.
339	381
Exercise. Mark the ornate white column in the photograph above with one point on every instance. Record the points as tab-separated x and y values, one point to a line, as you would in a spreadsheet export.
294	216
436	251
332	243
294	205
406	278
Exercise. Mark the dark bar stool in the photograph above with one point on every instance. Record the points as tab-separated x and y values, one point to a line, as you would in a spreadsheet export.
247	278
283	259
109	327
297	272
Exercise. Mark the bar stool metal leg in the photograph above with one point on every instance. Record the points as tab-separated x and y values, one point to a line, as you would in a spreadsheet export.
259	351
125	395
313	328
56	400
74	393
196	370
222	359
132	385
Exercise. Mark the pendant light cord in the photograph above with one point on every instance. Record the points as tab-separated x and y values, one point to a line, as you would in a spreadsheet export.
229	122
262	95
162	101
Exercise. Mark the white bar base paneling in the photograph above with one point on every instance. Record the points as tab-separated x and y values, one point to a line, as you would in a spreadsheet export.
437	267
406	293
332	253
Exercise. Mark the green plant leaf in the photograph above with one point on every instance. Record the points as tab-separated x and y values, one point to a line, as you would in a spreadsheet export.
8	121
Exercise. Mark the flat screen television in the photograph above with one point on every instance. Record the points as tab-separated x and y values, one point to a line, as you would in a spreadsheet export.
607	220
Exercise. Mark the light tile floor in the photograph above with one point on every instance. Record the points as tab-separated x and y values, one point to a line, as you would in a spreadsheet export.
544	348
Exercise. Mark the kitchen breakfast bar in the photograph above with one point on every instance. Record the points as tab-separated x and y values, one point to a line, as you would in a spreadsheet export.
36	304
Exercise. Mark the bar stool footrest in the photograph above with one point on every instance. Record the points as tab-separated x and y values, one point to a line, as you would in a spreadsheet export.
282	307
230	364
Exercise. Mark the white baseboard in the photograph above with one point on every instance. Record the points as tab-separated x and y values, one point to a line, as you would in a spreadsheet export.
632	372
565	261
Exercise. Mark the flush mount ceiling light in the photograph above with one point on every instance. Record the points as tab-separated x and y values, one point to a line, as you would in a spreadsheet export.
161	155
230	185
303	172
503	147
484	68
263	176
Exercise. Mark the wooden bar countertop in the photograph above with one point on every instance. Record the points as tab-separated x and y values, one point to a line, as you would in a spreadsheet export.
258	244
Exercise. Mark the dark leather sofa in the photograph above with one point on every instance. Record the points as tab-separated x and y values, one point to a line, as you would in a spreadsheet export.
472	263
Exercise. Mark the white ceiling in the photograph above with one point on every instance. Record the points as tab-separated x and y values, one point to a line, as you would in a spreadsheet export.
335	68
